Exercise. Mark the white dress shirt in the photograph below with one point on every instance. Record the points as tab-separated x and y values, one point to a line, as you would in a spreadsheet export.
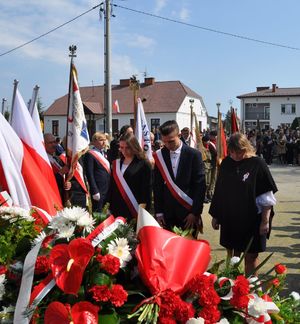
174	157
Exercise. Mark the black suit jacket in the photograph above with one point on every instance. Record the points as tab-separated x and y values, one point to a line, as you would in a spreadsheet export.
190	178
138	177
97	176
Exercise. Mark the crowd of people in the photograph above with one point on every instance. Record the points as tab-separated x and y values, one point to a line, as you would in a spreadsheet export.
179	180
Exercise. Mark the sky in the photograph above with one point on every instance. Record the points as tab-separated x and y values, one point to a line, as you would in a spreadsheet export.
216	66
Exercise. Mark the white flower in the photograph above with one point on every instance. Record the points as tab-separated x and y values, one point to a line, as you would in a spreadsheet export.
2	285
223	321
295	295
66	231
120	249
73	214
87	222
234	260
41	236
6	315
198	320
10	213
257	306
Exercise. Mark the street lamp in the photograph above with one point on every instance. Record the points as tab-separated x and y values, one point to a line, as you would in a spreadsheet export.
218	105
191	106
3	104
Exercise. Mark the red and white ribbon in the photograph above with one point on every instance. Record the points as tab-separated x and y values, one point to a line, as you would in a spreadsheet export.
25	299
42	214
124	189
5	199
176	192
101	159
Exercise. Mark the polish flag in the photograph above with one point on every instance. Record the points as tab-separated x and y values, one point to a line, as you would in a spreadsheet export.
33	110
116	107
20	176
25	128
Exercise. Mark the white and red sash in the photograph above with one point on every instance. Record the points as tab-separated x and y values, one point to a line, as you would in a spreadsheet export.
124	189
78	173
176	192
101	159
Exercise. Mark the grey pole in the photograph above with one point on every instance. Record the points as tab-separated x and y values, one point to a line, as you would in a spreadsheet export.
33	99
107	86
16	82
3	104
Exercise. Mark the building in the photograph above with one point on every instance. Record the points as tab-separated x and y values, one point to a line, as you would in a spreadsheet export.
162	101
270	106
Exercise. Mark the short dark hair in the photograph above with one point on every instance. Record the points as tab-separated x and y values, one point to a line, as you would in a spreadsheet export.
168	127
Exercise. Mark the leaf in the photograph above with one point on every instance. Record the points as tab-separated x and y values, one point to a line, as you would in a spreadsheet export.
112	318
102	279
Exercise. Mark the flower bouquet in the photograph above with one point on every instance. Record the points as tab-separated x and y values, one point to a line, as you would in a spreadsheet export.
86	270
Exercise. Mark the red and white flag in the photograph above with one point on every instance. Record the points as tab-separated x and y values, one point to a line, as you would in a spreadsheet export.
20	176
78	137
142	132
116	107
25	128
33	110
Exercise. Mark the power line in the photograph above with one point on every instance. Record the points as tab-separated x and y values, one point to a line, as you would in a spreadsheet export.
209	29
50	31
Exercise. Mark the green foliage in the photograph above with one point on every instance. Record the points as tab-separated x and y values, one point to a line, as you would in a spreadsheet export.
15	237
295	123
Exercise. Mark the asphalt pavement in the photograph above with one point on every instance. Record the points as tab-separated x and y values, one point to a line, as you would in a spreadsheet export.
285	236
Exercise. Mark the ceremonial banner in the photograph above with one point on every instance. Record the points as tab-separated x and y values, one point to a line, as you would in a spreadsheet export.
116	107
234	124
33	110
77	135
221	141
142	132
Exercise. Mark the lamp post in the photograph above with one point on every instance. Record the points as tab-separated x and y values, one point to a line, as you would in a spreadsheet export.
192	108
218	106
134	86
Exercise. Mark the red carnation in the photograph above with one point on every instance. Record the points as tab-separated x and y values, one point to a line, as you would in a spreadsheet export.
184	311
41	265
109	263
239	301
166	320
118	295
276	282
100	293
3	270
241	286
211	315
280	268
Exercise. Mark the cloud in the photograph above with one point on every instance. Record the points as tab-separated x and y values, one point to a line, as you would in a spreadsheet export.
184	14
140	41
159	5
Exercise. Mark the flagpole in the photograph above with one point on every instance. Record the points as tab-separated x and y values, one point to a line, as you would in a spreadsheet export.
134	86
16	82
3	104
33	99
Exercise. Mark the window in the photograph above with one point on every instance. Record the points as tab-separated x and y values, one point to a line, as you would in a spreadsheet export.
288	109
115	125
55	127
155	123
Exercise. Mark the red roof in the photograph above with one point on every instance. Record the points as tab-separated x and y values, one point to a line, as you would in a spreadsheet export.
164	96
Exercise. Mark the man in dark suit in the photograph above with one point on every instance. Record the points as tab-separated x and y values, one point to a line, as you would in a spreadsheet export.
179	181
97	170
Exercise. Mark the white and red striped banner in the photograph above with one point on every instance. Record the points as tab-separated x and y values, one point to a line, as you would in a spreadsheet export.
176	192
101	159
124	189
5	199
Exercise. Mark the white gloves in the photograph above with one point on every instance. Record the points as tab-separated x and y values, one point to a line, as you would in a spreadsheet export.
96	196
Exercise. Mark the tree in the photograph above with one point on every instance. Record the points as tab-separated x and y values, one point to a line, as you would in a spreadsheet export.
295	123
7	115
40	106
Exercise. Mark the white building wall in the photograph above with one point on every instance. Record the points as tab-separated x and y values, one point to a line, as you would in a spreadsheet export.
62	125
276	117
184	113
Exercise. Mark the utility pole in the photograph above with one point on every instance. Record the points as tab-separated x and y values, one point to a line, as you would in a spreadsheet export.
107	85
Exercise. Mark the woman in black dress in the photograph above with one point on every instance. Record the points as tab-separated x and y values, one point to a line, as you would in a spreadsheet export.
130	179
242	202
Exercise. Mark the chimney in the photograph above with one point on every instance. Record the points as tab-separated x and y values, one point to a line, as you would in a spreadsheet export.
124	82
274	87
262	88
149	81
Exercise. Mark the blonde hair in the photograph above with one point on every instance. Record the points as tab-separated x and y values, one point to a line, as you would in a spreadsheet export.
98	135
238	142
